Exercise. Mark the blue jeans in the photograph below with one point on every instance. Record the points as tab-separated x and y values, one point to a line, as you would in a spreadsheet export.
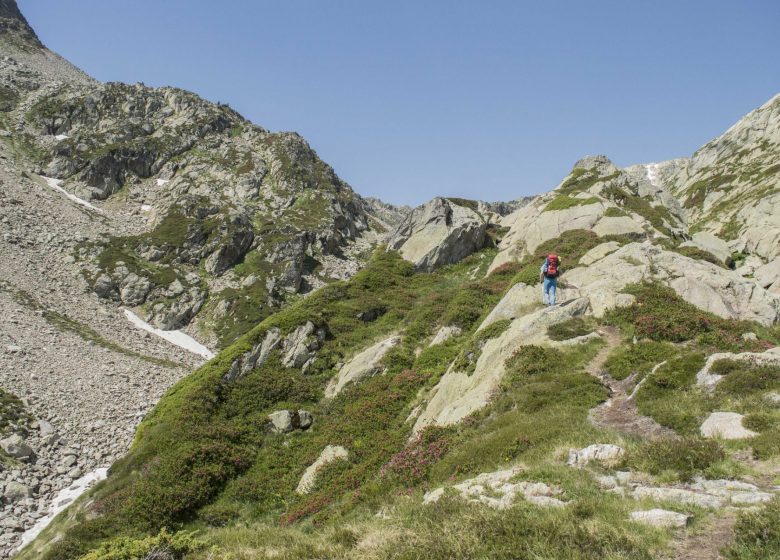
548	292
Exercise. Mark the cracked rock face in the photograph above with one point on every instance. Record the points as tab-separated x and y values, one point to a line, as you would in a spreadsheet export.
437	233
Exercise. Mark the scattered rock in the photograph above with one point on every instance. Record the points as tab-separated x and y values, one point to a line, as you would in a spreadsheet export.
494	489
285	421
726	425
16	491
662	518
15	447
300	345
604	453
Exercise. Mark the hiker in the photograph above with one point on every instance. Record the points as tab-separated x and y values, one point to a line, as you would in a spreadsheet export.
549	273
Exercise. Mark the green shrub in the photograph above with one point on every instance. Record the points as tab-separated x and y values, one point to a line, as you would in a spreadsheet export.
761	421
660	314
564	202
219	515
757	534
687	457
614	212
571	328
164	545
744	378
528	361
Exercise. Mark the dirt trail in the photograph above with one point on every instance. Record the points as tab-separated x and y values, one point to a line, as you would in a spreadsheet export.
619	412
707	544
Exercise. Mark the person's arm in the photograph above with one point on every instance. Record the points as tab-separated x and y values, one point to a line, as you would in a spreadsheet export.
542	271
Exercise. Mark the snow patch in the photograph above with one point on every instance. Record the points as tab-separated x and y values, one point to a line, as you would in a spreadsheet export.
146	208
161	182
55	184
64	498
652	174
61	137
179	338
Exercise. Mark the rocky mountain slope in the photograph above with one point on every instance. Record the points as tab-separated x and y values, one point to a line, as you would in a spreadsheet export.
432	407
125	202
224	221
422	402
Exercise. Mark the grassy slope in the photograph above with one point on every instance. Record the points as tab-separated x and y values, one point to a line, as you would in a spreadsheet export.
203	460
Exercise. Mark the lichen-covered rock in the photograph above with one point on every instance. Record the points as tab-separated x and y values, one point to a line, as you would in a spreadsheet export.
662	518
328	455
437	233
604	453
705	285
300	345
726	425
712	244
444	334
458	394
521	299
15	446
496	490
363	364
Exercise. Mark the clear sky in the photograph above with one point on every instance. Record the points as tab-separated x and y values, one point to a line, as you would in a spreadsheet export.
409	99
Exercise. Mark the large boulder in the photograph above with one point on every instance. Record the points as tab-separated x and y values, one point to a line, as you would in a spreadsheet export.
458	393
362	365
726	425
768	274
521	299
437	233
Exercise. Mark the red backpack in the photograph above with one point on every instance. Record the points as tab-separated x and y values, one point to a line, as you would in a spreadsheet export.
552	265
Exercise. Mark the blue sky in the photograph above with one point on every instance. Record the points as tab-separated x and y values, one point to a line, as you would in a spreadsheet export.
412	99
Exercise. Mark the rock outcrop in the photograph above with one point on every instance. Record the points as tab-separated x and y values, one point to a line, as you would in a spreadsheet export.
439	232
328	455
364	364
458	394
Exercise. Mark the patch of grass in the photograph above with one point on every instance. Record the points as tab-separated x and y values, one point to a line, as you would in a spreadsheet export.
564	202
757	534
700	255
12	412
639	358
614	212
572	328
671	398
661	315
686	457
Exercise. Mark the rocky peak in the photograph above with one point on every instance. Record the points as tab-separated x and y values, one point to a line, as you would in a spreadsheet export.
599	163
14	29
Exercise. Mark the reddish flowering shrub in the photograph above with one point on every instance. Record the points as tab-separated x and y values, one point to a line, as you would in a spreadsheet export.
412	465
